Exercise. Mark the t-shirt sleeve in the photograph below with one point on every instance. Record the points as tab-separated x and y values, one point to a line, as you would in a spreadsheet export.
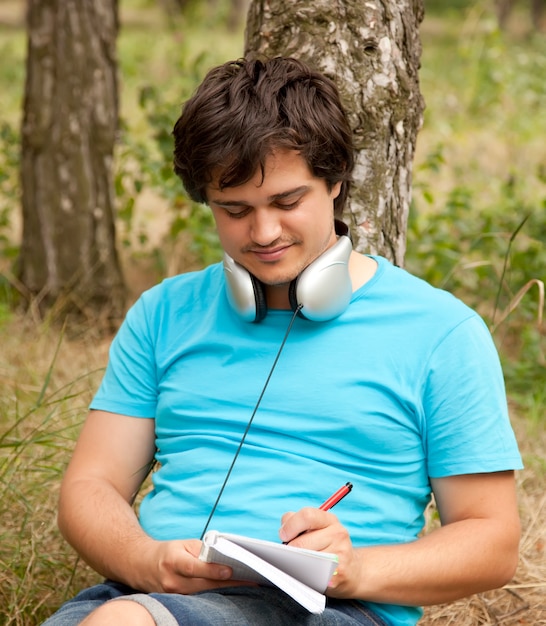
466	414
129	385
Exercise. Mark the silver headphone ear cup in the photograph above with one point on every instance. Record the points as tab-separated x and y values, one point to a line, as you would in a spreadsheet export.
245	292
324	288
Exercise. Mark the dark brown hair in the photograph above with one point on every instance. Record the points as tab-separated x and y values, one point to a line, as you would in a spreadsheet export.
244	110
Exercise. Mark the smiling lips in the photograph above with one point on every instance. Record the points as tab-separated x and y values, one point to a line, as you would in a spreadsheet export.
270	256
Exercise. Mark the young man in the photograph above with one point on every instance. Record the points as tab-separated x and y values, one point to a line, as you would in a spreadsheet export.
345	367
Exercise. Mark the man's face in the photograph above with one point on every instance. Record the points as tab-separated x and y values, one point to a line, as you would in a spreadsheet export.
277	226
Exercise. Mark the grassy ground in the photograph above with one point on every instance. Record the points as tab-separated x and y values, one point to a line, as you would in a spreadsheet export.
483	135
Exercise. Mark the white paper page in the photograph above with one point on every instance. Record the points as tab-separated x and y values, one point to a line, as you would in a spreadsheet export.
312	600
312	568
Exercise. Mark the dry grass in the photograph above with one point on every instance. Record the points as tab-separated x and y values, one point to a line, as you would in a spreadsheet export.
45	386
523	601
38	570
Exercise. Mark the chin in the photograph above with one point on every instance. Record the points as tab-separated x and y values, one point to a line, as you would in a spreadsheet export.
276	282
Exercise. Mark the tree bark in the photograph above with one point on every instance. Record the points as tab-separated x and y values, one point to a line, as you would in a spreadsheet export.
68	255
372	50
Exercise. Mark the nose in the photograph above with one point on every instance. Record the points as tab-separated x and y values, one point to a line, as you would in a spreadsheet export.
266	226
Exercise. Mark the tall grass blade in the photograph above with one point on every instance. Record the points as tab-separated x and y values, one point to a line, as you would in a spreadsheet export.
505	265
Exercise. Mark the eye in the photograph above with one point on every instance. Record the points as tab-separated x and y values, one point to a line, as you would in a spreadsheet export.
237	212
287	206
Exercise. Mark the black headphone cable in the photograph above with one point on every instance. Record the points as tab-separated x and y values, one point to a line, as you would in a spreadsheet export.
296	311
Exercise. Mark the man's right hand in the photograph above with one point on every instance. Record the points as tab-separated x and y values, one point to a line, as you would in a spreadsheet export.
179	570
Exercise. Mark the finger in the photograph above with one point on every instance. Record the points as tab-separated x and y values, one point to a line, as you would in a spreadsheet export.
304	521
286	516
196	568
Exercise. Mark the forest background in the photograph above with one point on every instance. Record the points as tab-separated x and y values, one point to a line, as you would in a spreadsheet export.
477	228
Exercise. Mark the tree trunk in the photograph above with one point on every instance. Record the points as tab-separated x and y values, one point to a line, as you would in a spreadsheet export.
372	50
68	255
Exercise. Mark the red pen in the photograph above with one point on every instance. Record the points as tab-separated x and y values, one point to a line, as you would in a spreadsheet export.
332	501
336	497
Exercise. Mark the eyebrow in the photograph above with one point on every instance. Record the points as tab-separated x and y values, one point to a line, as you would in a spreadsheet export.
275	197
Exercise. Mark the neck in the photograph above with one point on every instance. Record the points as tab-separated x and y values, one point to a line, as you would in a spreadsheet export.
277	296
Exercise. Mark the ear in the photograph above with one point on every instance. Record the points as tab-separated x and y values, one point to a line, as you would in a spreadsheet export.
336	190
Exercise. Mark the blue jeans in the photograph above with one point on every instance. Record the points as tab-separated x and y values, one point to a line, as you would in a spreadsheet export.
230	606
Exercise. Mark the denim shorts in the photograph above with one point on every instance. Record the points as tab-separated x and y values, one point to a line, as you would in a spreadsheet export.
226	606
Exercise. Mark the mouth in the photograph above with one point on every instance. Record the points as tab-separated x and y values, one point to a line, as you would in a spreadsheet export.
269	255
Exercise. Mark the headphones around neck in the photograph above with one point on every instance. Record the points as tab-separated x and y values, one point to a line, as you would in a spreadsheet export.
323	289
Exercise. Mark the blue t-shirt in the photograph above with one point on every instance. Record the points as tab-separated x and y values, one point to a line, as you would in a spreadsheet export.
405	385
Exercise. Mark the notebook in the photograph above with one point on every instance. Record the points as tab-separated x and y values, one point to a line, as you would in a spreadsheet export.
302	574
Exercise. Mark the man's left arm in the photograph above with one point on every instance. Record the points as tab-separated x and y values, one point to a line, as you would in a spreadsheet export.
474	550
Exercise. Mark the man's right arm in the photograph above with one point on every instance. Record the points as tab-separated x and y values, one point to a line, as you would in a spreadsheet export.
110	462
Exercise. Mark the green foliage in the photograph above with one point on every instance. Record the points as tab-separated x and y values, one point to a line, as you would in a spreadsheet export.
477	225
460	243
440	7
12	70
9	203
142	165
489	255
154	92
9	187
188	216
